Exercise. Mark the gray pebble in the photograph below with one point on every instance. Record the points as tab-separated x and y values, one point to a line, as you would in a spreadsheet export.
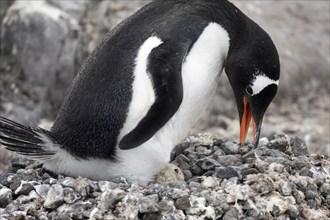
5	197
280	142
42	190
183	203
54	197
187	174
183	162
24	189
247	171
229	160
286	188
230	148
106	185
68	182
299	146
293	211
305	172
208	163
231	214
220	141
70	196
147	205
226	172
196	170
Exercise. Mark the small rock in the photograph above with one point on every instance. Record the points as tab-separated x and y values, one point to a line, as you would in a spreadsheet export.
82	186
210	182
232	213
286	188
300	163
96	214
203	151
183	203
166	206
276	167
5	197
280	142
196	170
310	194
247	171
220	141
230	148
325	189
293	211
8	178
51	181
187	174
226	172
299	146
42	190
229	160
110	198
249	155
68	182
179	149
299	196
208	163
24	189
305	172
106	185
146	205
54	197
70	196
183	162
202	139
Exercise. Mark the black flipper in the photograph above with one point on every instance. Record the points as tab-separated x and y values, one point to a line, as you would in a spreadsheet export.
33	142
164	66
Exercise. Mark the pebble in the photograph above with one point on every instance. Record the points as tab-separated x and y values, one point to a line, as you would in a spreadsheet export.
54	197
232	213
5	197
229	160
299	146
280	142
147	205
208	163
42	190
68	182
230	148
226	172
183	203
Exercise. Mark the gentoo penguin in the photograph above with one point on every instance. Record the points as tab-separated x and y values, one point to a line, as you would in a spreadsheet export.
143	88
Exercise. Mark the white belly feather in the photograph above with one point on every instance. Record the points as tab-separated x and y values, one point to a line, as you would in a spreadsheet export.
200	74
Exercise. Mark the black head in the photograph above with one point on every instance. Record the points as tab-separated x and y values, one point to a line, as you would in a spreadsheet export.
253	69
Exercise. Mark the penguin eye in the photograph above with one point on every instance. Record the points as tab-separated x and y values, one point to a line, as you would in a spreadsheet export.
249	90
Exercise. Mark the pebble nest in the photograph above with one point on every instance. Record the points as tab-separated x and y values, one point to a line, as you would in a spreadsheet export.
208	178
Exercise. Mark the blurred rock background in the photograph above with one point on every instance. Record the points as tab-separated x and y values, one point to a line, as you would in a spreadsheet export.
44	42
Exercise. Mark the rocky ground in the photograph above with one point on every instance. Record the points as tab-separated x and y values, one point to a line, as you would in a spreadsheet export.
209	179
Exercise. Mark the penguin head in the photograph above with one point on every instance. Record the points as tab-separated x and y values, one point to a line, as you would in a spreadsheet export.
253	70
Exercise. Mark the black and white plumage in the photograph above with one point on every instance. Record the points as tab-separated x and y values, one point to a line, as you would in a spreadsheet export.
140	92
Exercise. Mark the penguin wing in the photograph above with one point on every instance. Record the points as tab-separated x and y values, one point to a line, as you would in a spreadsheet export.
164	66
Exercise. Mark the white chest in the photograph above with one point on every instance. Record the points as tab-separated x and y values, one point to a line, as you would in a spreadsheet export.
200	74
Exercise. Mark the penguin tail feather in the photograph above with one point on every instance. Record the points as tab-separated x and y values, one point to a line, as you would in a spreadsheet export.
35	143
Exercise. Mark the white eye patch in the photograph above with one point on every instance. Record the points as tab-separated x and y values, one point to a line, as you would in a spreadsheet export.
260	82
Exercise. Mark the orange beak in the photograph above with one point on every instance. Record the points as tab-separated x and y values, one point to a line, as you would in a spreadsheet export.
245	123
